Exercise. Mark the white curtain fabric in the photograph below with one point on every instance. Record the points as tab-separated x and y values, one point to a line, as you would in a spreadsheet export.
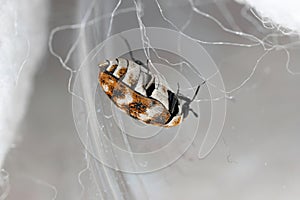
23	37
283	13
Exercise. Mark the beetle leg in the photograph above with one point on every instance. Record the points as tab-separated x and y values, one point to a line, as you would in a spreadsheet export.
182	97
196	115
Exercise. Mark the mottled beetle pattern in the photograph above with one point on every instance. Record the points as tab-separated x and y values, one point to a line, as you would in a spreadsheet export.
141	94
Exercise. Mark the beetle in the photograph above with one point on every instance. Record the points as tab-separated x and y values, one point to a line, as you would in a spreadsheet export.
143	95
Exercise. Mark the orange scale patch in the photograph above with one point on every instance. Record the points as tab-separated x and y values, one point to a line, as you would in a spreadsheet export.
112	68
137	108
122	72
138	105
107	81
175	122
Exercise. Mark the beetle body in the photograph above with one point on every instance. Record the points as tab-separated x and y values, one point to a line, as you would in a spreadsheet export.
141	94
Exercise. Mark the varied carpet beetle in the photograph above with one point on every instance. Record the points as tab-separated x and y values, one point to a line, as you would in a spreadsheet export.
141	94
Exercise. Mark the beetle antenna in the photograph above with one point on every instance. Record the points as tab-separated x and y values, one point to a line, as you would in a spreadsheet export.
128	46
197	91
177	90
196	115
131	55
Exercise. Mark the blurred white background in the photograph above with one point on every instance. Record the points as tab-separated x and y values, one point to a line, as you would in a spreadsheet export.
255	158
